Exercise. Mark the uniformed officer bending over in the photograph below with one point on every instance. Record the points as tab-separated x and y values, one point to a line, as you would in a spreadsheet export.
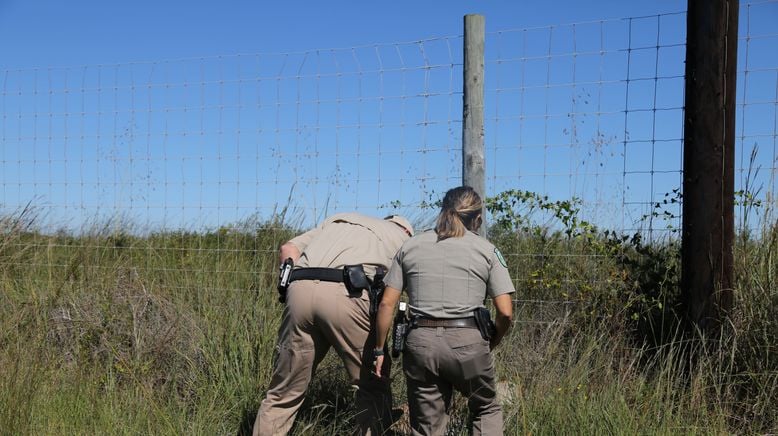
447	274
321	313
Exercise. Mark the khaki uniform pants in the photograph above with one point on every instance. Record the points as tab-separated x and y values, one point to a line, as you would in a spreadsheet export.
320	315
439	359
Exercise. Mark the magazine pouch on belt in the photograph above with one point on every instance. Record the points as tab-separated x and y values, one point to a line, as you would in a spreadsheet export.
483	319
355	279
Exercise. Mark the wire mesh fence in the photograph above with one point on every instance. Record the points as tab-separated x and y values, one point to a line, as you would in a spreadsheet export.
202	143
757	115
591	110
212	149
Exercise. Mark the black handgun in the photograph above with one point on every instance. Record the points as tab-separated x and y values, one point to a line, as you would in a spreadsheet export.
376	291
284	274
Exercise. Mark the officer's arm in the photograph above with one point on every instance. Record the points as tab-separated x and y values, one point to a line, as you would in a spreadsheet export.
504	305
383	323
384	317
288	250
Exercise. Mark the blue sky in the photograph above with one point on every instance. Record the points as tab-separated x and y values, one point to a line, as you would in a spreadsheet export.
193	114
36	33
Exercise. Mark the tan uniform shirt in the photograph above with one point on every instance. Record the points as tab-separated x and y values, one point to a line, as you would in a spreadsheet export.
448	278
350	239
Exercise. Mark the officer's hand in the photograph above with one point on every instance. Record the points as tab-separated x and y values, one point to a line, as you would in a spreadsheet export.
378	362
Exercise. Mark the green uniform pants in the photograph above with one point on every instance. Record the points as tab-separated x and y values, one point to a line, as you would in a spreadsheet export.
437	360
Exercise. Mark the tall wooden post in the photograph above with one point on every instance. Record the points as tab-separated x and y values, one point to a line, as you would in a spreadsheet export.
473	173
709	154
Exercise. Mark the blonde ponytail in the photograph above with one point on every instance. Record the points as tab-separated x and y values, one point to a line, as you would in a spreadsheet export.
460	212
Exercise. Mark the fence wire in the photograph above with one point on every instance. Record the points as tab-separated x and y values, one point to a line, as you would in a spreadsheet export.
137	160
757	116
201	143
593	111
591	114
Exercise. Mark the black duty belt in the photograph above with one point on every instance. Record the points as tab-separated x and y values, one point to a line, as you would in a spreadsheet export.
324	274
468	322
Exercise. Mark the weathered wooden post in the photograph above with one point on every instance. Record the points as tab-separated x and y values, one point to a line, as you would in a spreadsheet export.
473	173
708	162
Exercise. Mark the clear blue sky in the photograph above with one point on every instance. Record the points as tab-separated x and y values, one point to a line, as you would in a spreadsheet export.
38	33
158	121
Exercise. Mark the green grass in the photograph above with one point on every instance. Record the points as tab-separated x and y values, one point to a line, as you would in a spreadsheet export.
173	333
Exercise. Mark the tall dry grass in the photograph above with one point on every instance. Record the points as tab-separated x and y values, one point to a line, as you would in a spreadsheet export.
173	333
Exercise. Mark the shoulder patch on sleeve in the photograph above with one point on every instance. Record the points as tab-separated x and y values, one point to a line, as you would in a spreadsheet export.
500	258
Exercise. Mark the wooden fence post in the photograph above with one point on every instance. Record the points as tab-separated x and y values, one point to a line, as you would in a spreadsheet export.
473	173
708	162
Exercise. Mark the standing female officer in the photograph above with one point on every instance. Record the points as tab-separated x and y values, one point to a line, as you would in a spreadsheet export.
447	274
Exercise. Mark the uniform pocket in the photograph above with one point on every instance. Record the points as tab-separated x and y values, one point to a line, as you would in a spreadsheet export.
415	340
471	341
414	355
472	355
